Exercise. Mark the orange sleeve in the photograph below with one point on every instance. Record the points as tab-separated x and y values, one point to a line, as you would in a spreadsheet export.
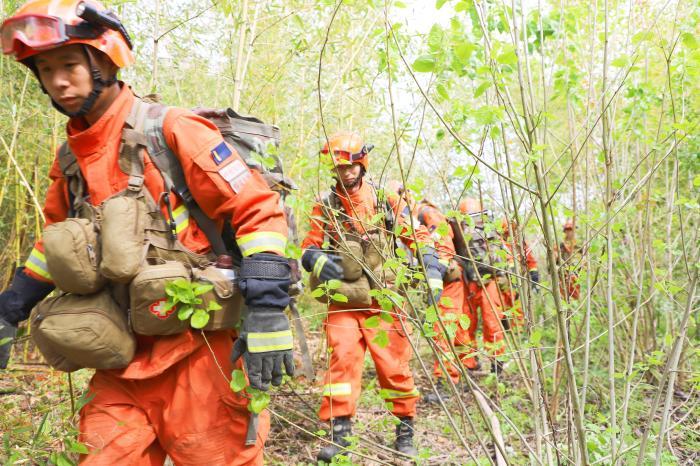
403	214
223	185
317	231
436	223
55	210
529	257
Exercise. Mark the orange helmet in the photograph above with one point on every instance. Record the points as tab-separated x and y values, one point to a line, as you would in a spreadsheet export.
41	25
505	230
347	148
470	205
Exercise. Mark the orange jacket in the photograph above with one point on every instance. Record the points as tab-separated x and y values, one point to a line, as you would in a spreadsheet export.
361	207
254	212
434	220
530	261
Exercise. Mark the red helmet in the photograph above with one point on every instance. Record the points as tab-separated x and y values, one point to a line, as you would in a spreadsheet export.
41	25
347	148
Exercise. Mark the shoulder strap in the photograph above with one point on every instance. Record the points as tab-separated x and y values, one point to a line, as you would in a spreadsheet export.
170	169
74	178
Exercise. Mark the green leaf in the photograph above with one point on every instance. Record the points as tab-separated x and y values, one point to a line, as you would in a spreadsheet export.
5	341
339	298
213	306
199	319
238	381
203	288
620	62
481	89
439	4
689	40
77	447
372	322
536	337
386	317
508	56
642	37
382	339
464	50
424	64
442	92
185	312
318	292
259	400
696	181
464	321
334	284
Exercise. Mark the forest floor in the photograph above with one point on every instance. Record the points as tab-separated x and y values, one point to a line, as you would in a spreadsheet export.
36	420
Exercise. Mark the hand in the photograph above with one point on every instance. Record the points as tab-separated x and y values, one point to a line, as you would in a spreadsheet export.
435	271
265	341
265	344
325	266
534	280
24	293
7	334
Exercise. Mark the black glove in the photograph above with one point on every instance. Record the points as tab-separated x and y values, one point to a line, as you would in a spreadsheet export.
24	293
324	266
435	271
534	280
265	341
16	304
7	334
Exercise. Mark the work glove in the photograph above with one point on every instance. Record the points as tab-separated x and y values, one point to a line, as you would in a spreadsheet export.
435	271
265	340
16	304
325	266
534	280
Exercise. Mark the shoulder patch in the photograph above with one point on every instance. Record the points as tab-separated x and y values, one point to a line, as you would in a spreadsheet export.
220	153
236	174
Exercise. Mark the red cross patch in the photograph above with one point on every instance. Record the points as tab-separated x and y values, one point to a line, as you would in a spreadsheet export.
160	309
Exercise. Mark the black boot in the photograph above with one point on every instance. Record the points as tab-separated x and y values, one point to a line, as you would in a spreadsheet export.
434	398
341	429
404	437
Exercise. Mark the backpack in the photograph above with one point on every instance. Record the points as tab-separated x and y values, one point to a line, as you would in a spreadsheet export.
248	135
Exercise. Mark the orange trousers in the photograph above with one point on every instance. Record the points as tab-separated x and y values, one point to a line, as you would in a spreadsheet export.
510	300
348	339
452	302
486	300
187	412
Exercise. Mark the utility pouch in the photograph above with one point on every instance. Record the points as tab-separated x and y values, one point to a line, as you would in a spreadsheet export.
149	315
383	277
351	256
357	292
74	331
123	238
73	256
226	293
454	272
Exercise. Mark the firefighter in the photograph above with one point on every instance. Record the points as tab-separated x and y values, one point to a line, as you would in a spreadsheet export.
481	296
568	258
452	301
171	399
522	253
356	209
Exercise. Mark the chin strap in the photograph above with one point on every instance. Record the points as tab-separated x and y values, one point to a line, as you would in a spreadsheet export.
98	85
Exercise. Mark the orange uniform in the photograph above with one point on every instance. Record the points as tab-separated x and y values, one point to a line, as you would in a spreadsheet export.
169	378
453	298
508	294
347	336
569	287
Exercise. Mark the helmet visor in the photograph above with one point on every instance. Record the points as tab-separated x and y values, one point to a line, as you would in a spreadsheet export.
34	31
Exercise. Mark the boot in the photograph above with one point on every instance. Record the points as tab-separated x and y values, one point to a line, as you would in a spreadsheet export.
404	437
341	429
434	398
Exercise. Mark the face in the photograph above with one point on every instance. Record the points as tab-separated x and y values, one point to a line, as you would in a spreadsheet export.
349	175
569	234
65	74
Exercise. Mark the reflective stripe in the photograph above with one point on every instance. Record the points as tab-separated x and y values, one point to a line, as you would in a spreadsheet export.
337	389
269	341
388	394
445	262
182	218
36	262
435	283
320	262
265	241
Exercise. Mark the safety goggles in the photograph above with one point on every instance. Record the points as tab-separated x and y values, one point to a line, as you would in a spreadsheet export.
41	32
352	158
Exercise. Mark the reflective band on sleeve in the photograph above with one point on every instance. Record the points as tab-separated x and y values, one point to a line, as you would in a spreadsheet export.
36	262
320	262
388	394
337	389
435	283
270	341
265	241
182	218
445	262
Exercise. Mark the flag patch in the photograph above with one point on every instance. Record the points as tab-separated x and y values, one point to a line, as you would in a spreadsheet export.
220	153
236	174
